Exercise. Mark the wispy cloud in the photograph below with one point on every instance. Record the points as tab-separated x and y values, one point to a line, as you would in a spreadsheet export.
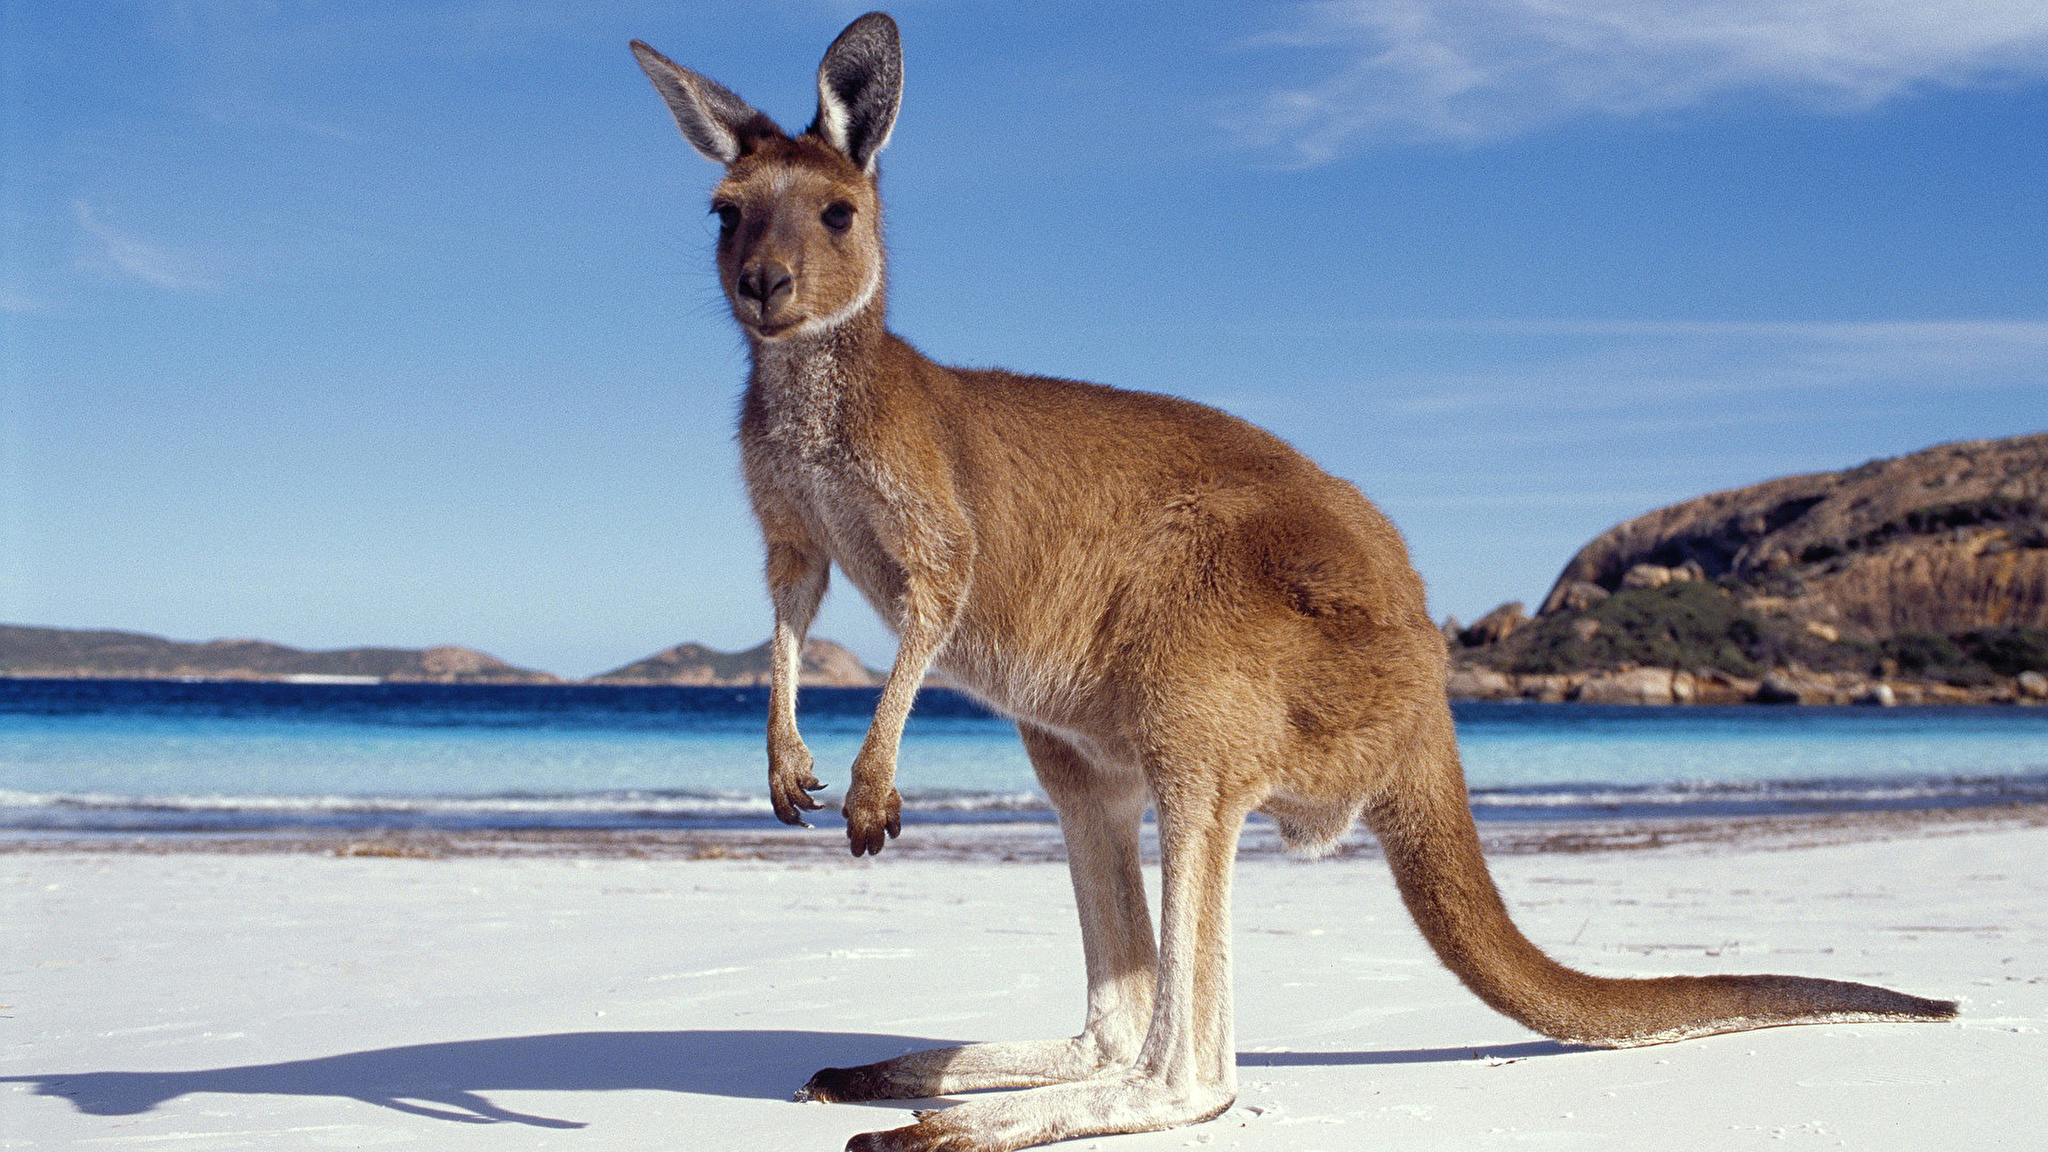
1728	373
250	33
1973	333
1476	70
111	250
237	109
14	301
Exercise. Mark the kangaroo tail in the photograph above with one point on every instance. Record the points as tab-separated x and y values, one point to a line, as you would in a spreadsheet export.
1433	849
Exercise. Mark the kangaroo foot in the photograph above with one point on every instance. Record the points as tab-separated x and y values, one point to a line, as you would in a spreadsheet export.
1046	1115
848	1085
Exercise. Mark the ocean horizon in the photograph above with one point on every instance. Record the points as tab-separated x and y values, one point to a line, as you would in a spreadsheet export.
106	757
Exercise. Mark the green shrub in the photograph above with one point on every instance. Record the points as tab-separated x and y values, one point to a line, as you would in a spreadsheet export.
2008	651
1689	624
1970	658
1924	653
1698	627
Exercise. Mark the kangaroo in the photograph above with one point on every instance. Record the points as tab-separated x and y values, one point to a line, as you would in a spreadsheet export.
1180	612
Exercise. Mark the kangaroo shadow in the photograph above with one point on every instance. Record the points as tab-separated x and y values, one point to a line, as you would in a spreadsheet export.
448	1081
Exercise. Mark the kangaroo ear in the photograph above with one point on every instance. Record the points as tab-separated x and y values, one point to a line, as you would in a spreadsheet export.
714	121
860	84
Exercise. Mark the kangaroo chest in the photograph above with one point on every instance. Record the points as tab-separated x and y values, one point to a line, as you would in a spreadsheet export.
806	458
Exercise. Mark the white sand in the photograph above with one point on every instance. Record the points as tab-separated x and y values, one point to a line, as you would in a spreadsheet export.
298	1001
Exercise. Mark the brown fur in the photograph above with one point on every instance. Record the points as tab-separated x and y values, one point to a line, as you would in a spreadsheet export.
1179	609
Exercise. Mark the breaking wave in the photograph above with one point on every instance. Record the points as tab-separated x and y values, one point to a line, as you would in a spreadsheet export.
91	814
104	813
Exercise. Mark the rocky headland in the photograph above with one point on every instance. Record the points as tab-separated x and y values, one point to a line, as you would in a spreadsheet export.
1918	579
825	665
86	654
70	653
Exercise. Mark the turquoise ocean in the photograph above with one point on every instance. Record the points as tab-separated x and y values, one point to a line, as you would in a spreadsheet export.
80	757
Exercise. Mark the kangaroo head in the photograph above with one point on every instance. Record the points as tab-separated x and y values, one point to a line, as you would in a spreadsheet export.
799	219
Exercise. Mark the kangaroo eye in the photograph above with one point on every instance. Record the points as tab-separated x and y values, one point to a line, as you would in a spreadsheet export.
838	216
728	218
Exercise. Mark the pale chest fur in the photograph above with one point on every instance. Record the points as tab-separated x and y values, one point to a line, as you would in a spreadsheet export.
803	454
797	415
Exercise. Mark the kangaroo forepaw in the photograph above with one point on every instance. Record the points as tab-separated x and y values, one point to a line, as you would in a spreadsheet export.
873	817
790	784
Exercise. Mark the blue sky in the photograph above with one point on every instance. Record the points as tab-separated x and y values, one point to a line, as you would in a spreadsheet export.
393	323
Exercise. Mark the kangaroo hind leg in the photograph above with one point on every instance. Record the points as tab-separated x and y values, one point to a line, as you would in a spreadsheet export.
1185	1070
1100	812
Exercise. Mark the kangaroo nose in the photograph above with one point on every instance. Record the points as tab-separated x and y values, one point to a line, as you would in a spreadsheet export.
767	284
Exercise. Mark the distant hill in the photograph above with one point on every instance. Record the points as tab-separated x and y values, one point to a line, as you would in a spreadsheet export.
1929	570
825	665
1948	539
85	654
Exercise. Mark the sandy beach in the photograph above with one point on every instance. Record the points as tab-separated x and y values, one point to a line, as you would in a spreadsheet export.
670	992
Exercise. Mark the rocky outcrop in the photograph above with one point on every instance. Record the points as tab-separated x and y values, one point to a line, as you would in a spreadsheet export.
825	665
1921	579
2032	685
68	653
1634	686
1495	626
1944	540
